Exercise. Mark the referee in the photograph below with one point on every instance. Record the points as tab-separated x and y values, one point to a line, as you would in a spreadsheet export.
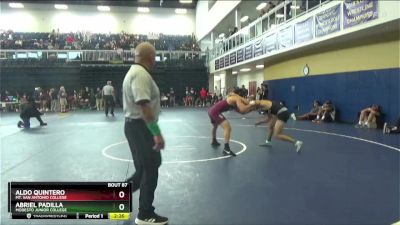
108	94
141	99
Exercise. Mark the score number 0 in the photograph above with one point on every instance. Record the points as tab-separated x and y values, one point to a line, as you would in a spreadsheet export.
121	195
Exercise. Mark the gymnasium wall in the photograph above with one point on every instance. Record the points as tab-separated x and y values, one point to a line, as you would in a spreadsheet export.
44	18
352	75
24	78
243	78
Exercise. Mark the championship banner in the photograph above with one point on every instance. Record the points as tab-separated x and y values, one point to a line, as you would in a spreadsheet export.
216	65
303	31
259	47
285	37
328	21
358	12
226	60
232	58
221	62
248	52
239	55
270	43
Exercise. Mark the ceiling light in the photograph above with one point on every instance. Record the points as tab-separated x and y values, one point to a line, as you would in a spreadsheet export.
260	66
245	70
261	6
279	15
180	11
103	8
244	19
221	35
143	9
295	7
16	5
234	72
185	1
59	6
144	1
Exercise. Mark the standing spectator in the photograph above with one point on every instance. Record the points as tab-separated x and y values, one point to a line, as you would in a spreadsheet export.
259	93
265	91
142	107
171	97
62	95
53	99
99	99
192	98
164	100
217	91
203	97
109	96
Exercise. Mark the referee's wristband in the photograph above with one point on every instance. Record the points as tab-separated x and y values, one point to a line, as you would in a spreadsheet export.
154	128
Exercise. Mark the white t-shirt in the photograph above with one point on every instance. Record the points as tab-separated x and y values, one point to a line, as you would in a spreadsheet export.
108	90
138	85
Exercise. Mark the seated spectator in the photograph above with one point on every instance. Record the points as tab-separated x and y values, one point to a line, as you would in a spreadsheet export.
29	110
214	99
326	113
312	115
392	129
368	117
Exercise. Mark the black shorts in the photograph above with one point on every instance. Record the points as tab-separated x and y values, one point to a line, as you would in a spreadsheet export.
284	116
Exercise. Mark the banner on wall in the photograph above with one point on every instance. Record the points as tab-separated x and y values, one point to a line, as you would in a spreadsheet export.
232	58
259	47
248	52
303	31
221	62
270	43
226	60
358	12
216	65
285	37
239	55
328	21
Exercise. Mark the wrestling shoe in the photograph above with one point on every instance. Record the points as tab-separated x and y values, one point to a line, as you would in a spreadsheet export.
298	145
227	151
150	220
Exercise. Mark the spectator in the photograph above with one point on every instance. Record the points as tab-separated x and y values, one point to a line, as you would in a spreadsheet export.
192	98
326	113
392	130
203	97
164	100
53	100
312	115
264	88
259	93
171	97
62	95
368	117
99	99
215	99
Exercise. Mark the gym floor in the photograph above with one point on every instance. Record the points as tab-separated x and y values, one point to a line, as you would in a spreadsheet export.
342	175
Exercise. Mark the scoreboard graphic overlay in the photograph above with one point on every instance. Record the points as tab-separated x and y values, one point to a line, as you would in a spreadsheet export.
69	200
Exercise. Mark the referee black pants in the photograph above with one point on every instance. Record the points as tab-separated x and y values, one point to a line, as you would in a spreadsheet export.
146	161
109	103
